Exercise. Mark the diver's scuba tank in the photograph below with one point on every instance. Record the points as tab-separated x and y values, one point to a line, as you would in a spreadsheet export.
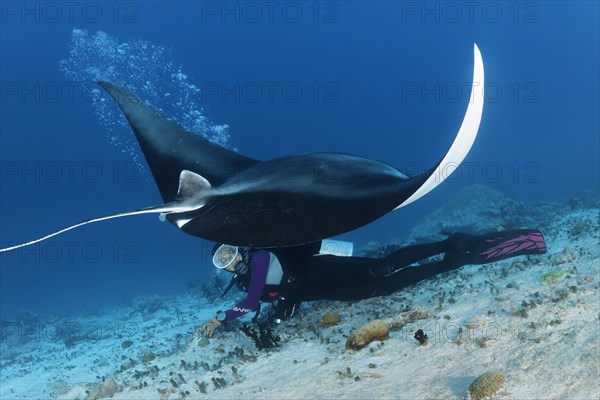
336	248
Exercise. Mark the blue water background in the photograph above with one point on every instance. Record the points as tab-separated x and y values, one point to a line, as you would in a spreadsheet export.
540	127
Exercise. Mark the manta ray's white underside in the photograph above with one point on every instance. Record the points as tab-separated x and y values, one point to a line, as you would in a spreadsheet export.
466	134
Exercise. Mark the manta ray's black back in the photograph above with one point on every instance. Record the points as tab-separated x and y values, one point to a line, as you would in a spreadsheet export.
169	149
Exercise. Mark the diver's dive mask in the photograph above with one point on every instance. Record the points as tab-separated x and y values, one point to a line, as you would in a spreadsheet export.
225	255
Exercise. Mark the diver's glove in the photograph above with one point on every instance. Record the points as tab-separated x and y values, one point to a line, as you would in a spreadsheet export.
210	327
285	308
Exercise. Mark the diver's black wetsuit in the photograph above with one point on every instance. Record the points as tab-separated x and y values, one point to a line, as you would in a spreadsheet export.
309	277
329	277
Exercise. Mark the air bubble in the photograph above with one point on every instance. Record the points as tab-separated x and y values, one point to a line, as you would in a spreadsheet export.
160	82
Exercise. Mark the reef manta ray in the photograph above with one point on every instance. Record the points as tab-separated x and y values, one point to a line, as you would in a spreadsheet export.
222	196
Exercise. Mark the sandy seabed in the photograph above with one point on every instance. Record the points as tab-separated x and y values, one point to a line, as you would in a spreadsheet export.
536	320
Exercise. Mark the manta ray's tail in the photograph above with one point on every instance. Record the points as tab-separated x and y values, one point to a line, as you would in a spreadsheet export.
149	210
462	143
191	195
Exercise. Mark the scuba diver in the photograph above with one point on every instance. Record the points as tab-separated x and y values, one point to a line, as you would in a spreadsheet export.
288	276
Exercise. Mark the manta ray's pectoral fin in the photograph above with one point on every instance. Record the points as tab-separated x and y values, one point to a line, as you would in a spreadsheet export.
463	142
169	148
191	196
